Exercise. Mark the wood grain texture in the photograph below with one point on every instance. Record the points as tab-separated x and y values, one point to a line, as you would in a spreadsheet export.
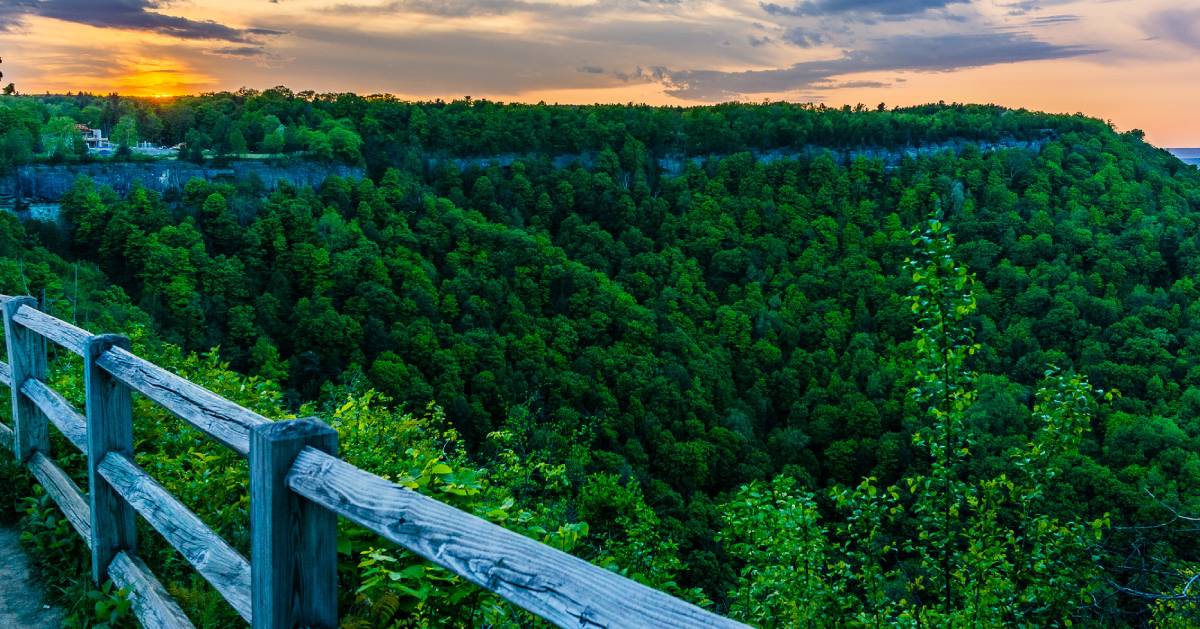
5	375
216	416
565	590
26	360
151	603
70	422
65	492
6	436
57	330
293	541
212	557
110	429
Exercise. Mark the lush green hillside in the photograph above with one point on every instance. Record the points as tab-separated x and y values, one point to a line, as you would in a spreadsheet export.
385	132
710	362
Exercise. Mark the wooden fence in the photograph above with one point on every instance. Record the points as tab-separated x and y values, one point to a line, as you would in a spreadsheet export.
298	488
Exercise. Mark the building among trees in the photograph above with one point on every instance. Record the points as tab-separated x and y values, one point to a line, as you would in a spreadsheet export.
95	140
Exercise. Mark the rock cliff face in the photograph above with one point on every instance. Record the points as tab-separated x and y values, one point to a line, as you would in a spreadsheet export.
49	183
676	164
41	183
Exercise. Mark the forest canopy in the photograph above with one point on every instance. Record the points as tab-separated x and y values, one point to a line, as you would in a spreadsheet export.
906	353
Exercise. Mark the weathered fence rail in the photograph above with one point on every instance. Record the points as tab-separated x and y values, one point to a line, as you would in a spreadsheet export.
298	488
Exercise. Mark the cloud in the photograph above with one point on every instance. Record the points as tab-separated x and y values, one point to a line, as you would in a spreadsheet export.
810	8
239	51
657	74
478	8
443	8
1051	20
936	53
268	32
1021	7
128	66
426	63
541	57
1181	26
804	38
845	85
138	15
571	46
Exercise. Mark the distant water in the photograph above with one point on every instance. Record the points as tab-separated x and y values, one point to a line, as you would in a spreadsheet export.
1188	156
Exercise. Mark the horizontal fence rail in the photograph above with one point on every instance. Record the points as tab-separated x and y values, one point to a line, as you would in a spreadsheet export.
298	489
62	333
56	408
212	557
559	587
216	416
151	603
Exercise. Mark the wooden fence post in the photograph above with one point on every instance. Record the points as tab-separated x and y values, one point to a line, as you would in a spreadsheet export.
109	429
26	361
293	542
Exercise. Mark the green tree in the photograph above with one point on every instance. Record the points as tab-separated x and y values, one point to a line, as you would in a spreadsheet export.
237	142
61	139
125	133
274	141
16	148
943	298
345	145
789	574
196	142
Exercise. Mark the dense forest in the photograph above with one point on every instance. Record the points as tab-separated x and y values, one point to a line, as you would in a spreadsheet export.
385	132
962	388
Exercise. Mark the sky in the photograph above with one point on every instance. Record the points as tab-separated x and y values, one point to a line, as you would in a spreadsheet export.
1133	62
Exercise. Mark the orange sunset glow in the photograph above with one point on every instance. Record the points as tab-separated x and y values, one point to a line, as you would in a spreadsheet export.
1129	61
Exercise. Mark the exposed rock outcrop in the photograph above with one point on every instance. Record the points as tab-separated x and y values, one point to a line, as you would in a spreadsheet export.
49	183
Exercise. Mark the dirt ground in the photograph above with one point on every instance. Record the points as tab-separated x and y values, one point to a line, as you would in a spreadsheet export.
21	603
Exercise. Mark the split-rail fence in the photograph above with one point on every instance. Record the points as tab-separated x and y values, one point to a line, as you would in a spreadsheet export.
298	488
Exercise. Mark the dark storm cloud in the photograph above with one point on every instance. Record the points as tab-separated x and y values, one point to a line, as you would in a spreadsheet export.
937	53
1181	26
810	8
139	15
586	69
